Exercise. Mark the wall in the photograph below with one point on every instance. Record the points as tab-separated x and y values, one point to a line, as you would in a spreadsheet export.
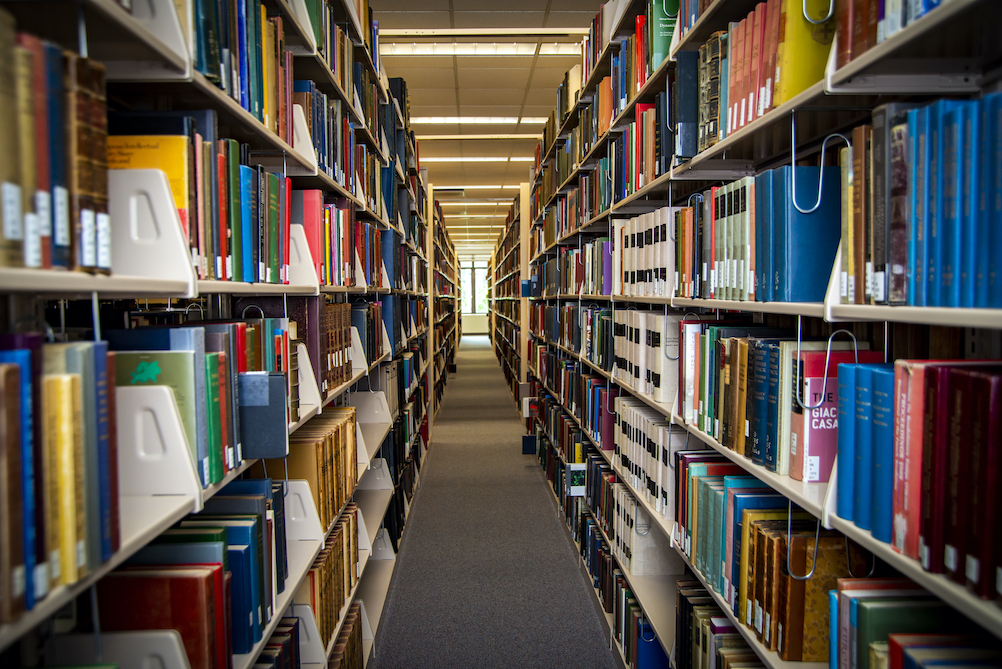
474	324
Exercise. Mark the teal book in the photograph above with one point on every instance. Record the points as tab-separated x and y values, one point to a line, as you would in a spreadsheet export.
846	463
214	424
863	463
882	445
247	228
874	619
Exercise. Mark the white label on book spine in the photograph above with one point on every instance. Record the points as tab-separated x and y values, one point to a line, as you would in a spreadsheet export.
748	612
88	238
950	557
741	122
878	286
972	568
61	215
793	443
13	226
813	468
32	241
229	267
868	286
104	241
18	581
923	552
41	580
205	470
219	268
81	553
851	288
843	284
747	428
43	207
767	632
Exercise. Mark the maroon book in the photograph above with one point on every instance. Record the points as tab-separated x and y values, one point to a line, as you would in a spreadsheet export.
161	598
982	556
934	440
960	409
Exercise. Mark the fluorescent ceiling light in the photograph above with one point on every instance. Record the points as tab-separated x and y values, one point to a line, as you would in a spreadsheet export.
430	138
476	215
478	32
476	187
477	159
476	203
477	120
479	49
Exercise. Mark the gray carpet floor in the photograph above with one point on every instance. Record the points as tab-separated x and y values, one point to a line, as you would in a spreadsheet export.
486	575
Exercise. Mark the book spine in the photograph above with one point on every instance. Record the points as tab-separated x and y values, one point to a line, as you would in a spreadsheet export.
882	501
863	467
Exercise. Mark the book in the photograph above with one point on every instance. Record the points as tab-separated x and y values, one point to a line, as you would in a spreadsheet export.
12	548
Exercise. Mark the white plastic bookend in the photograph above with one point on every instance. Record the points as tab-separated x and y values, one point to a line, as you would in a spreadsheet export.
371	407
366	629
147	238
361	451
301	269
358	360
303	16
382	549
831	497
377	478
360	273
309	393
153	453
311	646
161	19
386	339
302	521
384	274
160	649
301	140
833	295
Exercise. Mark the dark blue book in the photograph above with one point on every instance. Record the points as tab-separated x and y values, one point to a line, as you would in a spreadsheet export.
59	226
248	229
805	244
990	223
686	104
764	251
241	603
846	462
769	453
650	653
759	360
22	358
882	495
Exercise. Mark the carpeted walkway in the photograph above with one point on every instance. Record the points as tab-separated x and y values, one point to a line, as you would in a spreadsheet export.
486	575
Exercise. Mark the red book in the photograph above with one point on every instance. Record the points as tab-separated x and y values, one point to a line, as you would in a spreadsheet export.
897	643
309	208
747	83
757	65
737	42
843	32
860	20
163	598
935	423
287	227
872	19
640	58
985	464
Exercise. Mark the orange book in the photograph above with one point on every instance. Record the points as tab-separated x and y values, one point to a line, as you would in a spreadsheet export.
754	99
736	94
604	104
746	69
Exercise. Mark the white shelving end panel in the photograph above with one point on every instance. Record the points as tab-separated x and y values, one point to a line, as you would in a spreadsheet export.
303	16
358	359
310	401
302	142
154	458
373	421
161	19
301	268
129	650
147	241
377	478
311	646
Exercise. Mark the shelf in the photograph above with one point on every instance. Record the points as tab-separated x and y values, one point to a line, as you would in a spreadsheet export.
812	309
953	317
374	587
984	612
769	658
808	496
372	504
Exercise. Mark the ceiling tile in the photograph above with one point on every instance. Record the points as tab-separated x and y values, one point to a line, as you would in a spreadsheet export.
499	19
419	97
401	20
566	5
507	62
502	78
568	19
547	78
411	5
400	63
490	96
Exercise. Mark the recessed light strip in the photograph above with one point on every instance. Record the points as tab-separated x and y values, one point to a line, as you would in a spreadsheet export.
489	49
477	159
477	120
499	136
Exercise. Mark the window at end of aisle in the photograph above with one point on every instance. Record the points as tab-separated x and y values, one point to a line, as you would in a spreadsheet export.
473	286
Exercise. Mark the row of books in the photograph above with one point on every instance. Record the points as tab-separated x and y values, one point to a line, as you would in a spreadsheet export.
333	574
735	531
705	636
240	47
927	421
348	652
918	227
643	254
222	569
367	319
324	453
748	240
584	329
55	175
332	361
643	442
587	270
330	124
862	24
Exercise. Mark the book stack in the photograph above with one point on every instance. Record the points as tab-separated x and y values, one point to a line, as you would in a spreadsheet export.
56	174
923	198
928	421
329	123
705	636
862	25
643	254
333	575
329	235
324	453
333	42
643	443
347	652
645	352
734	531
282	649
245	239
61	519
335	363
587	270
367	319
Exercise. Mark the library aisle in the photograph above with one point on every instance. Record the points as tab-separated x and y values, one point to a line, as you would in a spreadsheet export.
486	574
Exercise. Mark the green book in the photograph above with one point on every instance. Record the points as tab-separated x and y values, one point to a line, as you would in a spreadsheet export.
235	224
874	619
273	228
174	369
214	423
191	535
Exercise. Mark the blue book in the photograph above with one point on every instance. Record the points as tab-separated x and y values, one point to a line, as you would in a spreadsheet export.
947	233
918	205
242	88
916	9
833	629
760	395
846	463
650	654
240	598
248	230
22	358
175	339
863	463
805	244
59	225
972	159
935	148
990	221
764	252
882	496
103	387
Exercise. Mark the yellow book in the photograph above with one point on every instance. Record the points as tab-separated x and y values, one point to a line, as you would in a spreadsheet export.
63	417
165	152
11	230
748	518
267	64
803	48
29	171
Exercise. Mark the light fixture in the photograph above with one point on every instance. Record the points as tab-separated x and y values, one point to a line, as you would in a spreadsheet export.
477	159
476	187
476	215
500	136
477	120
480	32
490	202
489	49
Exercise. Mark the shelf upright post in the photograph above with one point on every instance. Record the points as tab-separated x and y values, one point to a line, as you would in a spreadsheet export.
525	223
430	340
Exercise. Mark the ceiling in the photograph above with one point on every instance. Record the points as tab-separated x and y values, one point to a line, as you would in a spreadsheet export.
521	87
